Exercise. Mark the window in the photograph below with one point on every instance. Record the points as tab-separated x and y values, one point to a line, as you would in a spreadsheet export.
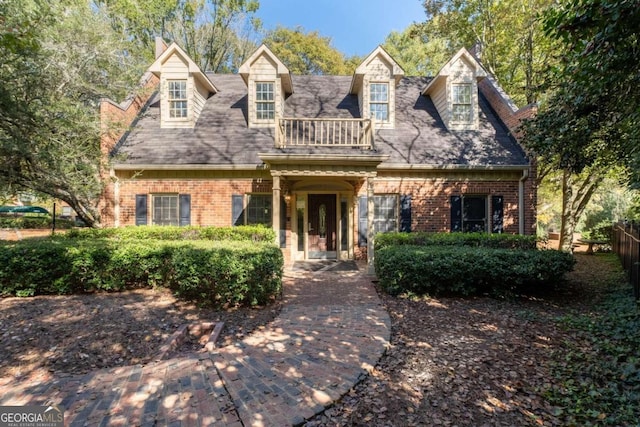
259	209
469	214
177	99
265	101
385	213
379	101
461	111
165	209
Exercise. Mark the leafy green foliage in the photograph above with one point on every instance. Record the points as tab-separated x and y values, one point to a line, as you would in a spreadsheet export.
213	273
31	222
464	270
597	372
306	53
58	59
417	53
258	233
504	241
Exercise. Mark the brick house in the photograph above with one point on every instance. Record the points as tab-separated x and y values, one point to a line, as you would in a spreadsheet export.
327	161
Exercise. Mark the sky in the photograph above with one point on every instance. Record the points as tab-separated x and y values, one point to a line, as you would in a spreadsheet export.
356	27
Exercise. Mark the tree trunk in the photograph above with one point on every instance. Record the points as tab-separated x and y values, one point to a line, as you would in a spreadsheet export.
575	197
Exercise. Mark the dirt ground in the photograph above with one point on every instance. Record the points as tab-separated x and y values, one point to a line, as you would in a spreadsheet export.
75	334
452	361
468	361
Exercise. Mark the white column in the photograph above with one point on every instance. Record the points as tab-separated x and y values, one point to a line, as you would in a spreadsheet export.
370	232
275	207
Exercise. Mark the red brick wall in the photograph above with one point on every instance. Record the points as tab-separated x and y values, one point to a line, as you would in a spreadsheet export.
210	199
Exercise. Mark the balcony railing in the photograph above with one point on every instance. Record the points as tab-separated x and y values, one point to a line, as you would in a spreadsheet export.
309	132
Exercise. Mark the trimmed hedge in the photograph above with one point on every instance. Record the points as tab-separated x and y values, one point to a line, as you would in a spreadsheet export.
498	241
34	222
215	273
461	270
254	233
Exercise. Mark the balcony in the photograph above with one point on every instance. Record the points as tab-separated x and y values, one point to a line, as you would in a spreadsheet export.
309	132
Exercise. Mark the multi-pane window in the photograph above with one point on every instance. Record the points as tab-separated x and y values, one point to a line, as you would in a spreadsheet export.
461	95
265	101
259	209
165	209
385	213
379	101
177	99
469	213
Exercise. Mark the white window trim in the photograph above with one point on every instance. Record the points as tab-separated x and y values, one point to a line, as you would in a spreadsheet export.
387	102
396	208
258	101
153	207
171	100
247	199
454	103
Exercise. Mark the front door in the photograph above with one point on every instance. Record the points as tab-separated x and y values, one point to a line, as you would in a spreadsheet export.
322	226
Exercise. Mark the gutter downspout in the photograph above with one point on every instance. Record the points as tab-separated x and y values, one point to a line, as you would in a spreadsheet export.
521	213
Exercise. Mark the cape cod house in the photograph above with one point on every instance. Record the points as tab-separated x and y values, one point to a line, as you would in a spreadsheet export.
327	161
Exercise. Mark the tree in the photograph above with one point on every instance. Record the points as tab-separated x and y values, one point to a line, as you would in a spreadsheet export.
217	34
417	53
57	60
589	124
511	42
306	53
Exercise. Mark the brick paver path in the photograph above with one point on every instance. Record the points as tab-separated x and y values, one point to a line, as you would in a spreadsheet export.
331	331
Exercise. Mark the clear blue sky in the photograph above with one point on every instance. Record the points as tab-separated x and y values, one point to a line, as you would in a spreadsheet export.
355	27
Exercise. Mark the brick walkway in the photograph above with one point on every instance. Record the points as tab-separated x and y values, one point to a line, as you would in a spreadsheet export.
332	330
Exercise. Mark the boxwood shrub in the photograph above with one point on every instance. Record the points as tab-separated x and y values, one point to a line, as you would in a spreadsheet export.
34	222
255	233
503	241
214	273
463	270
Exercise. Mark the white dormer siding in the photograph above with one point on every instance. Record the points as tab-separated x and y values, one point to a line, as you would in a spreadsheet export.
454	92
263	79
375	83
184	88
268	84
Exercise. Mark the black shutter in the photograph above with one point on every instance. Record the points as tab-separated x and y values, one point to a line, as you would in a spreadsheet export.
141	209
237	209
405	213
362	221
185	209
497	206
456	213
283	223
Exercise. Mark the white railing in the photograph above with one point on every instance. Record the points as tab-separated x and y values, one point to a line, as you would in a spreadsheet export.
297	132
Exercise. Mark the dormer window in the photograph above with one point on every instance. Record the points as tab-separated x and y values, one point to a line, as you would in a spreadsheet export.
177	99
265	101
461	96
379	101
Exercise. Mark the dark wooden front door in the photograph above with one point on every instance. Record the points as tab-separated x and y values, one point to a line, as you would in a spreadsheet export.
322	226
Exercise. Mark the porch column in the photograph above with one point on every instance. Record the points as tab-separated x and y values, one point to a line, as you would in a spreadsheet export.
370	229
275	207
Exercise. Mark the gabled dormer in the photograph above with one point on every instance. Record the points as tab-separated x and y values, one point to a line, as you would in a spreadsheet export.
454	91
268	84
375	81
184	88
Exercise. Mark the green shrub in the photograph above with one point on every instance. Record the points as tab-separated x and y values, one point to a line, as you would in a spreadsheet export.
256	233
502	241
33	222
462	270
216	273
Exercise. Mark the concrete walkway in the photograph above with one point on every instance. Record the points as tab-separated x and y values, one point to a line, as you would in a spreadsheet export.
330	333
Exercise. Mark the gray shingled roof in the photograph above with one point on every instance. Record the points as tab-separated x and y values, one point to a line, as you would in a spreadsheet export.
221	135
